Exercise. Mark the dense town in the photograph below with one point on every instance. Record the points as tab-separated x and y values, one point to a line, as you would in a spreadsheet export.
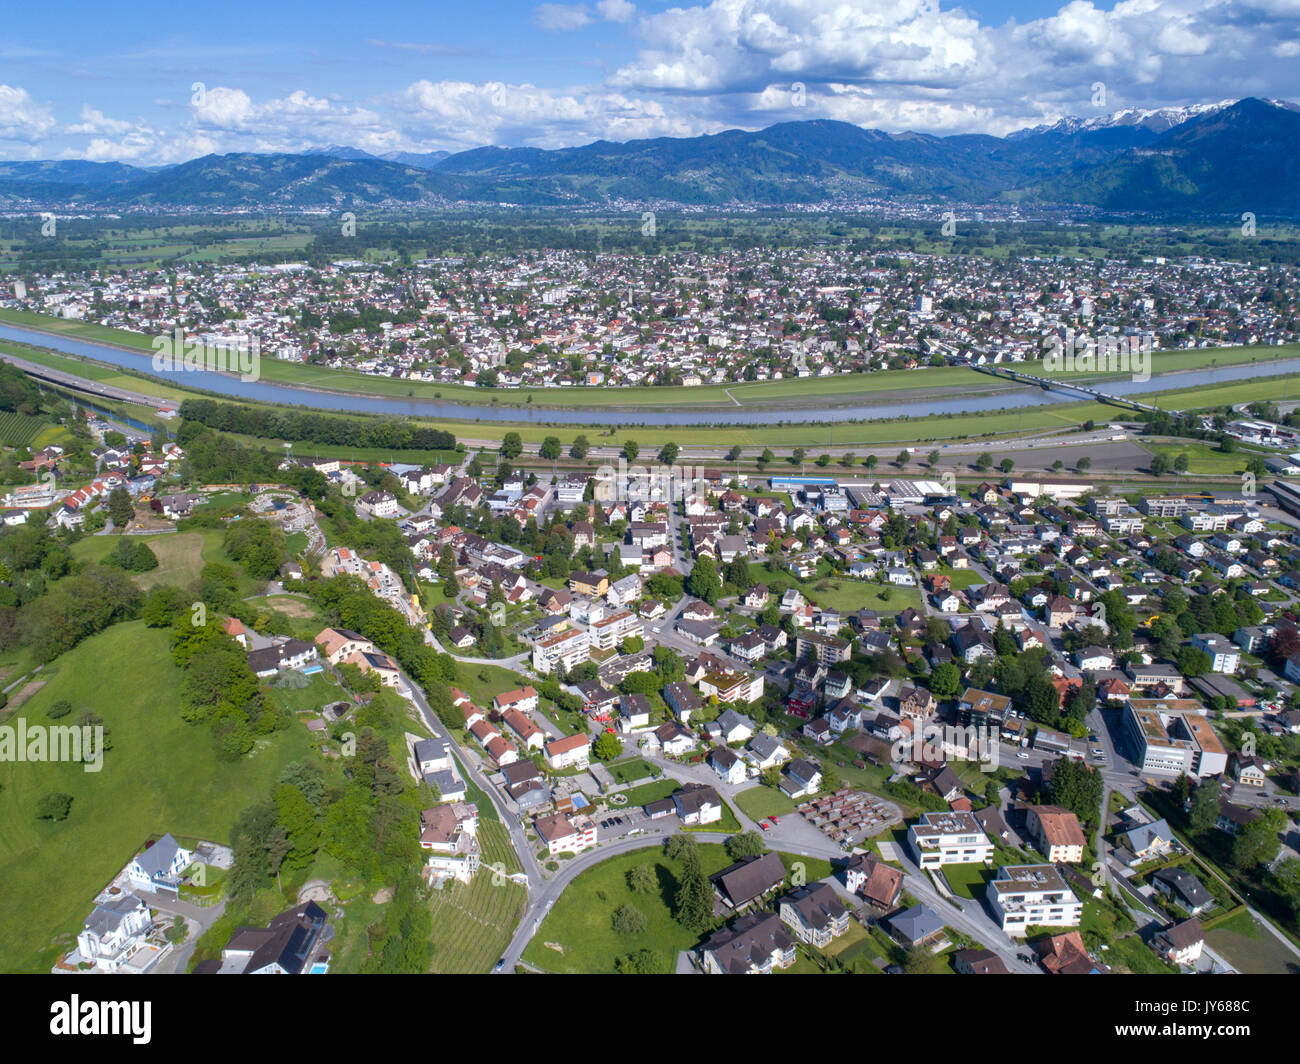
565	319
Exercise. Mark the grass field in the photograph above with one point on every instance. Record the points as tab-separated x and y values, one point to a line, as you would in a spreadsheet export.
758	803
846	594
1251	948
580	922
473	924
181	555
160	775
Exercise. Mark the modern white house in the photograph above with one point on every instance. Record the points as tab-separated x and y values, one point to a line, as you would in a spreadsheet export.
1024	896
948	838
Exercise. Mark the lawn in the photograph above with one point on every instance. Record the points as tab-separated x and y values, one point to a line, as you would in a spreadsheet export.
843	593
646	793
1131	954
630	770
1250	948
159	776
968	880
759	803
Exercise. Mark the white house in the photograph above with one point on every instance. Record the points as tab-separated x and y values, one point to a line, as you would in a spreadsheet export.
160	866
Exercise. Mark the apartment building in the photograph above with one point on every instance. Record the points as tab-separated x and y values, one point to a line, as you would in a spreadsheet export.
1058	833
828	649
1024	896
608	632
949	838
567	649
1174	735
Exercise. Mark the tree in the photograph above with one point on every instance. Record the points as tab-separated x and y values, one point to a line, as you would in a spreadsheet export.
1182	462
607	747
120	508
1083	464
631	449
1204	810
628	920
580	449
932	459
551	448
921	961
871	461
749	844
693	900
903	458
1193	662
1256	842
1077	788
733	455
945	680
642	962
1159	465
1006	465
703	581
54	806
512	446
640	880
984	462
668	453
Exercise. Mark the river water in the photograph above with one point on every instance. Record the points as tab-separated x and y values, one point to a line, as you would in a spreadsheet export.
290	395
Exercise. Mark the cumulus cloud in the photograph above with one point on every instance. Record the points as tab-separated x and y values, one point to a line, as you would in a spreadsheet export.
707	65
23	119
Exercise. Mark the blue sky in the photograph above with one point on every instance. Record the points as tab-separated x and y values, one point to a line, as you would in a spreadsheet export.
98	83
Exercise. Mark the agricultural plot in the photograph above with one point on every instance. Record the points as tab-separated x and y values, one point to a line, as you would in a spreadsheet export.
473	923
22	430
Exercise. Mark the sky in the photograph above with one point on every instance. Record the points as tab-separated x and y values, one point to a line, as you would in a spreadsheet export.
159	83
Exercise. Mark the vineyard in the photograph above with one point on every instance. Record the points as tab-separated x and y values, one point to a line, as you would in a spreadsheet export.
21	430
473	924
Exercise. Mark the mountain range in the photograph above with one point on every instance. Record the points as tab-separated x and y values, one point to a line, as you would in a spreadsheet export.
1227	157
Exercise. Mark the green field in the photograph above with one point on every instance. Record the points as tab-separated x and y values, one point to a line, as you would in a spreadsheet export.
759	803
1250	947
161	775
580	922
846	594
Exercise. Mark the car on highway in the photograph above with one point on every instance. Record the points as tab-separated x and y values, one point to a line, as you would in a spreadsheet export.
763	824
775	819
1023	756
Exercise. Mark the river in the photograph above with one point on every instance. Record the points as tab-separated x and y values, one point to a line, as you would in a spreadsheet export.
436	409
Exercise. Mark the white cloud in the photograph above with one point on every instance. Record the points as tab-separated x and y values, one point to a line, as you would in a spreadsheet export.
561	17
616	10
22	118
